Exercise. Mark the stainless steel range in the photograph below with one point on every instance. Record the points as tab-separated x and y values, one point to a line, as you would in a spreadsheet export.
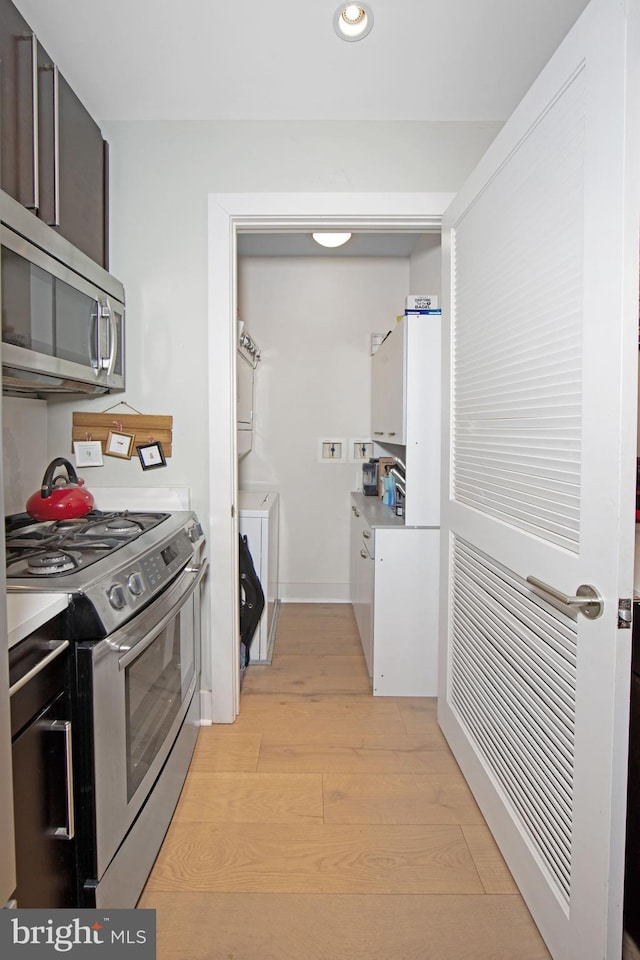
133	621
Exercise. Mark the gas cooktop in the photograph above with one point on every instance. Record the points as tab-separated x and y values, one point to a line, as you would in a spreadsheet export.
61	547
112	565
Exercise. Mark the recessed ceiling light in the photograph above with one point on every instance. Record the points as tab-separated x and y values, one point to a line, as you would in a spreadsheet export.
353	21
331	239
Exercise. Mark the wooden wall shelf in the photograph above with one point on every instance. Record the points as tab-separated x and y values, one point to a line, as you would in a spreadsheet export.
146	429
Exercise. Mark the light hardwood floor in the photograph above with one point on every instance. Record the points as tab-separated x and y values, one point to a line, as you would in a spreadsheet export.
326	824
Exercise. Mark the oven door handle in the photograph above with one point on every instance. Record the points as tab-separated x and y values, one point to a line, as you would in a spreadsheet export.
134	652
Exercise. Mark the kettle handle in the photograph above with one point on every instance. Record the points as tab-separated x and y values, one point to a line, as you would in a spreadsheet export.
47	480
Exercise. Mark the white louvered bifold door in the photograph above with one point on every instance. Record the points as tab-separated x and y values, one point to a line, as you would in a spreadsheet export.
540	295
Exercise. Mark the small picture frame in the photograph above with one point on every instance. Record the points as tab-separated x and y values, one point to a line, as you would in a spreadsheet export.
88	453
151	455
119	445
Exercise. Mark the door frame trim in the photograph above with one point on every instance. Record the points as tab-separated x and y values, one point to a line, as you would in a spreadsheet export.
228	215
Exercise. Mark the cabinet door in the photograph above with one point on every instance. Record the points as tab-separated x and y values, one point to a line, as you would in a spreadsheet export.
244	393
388	387
362	574
354	551
364	610
45	861
406	612
19	56
244	405
53	157
76	172
380	376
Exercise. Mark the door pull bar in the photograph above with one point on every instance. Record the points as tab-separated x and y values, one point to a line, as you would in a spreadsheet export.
587	600
67	832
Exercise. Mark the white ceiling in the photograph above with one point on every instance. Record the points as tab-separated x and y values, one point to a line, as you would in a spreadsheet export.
132	60
137	60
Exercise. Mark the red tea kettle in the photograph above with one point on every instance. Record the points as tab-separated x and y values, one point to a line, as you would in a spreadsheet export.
60	498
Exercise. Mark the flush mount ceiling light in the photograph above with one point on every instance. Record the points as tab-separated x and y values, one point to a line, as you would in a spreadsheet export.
331	239
353	21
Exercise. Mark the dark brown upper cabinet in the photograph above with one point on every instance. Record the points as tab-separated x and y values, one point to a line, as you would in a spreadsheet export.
53	158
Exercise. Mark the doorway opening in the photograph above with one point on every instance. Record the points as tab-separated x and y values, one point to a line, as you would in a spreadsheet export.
230	215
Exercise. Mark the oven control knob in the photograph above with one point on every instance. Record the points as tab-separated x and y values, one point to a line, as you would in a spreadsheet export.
135	584
117	597
194	532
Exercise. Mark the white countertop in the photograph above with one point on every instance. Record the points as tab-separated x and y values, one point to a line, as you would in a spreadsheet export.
28	611
377	513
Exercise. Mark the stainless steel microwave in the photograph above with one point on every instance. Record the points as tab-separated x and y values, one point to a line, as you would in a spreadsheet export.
62	314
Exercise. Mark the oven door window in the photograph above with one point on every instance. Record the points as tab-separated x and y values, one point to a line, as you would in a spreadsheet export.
156	684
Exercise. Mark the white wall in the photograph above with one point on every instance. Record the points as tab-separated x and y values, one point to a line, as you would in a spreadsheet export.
425	265
24	450
313	319
161	176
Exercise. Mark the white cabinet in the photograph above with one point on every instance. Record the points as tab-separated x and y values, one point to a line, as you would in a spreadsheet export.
405	410
362	560
244	403
388	399
258	520
394	592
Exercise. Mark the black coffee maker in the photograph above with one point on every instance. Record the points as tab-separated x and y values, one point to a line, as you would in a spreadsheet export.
370	478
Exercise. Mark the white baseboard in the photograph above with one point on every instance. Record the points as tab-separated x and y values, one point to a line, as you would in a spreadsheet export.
206	708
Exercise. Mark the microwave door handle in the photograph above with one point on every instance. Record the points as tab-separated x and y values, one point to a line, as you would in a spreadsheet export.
115	341
103	313
110	362
98	360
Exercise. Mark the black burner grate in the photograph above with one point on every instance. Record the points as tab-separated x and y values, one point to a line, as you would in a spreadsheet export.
58	547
